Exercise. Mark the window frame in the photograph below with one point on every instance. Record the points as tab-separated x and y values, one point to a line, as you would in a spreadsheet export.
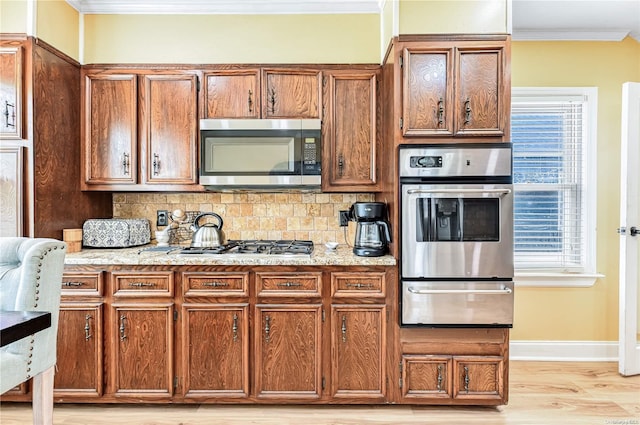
585	276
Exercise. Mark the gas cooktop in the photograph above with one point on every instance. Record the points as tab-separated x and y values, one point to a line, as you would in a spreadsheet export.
256	247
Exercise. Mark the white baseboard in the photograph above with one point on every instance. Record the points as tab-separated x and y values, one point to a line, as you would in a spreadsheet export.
569	351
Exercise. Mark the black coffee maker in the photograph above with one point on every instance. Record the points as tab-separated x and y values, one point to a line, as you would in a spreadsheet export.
372	231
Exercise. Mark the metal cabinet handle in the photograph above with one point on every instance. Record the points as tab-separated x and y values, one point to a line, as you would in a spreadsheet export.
344	328
72	283
123	335
467	111
267	328
440	112
234	327
8	105
87	327
439	385
250	101
125	163
272	100
289	284
359	285
340	165
215	284
503	291
466	379
142	284
156	164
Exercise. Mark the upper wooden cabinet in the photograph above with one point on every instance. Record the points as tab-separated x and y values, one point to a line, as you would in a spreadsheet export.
455	88
262	93
11	92
350	136
139	131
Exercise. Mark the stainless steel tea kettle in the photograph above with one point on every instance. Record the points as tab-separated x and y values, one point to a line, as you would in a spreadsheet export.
208	235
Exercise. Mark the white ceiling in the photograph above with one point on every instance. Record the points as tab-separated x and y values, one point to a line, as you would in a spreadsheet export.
531	19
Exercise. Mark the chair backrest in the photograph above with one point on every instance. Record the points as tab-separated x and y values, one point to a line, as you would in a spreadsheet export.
30	280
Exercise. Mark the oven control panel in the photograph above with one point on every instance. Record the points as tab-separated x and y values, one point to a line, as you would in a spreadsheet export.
425	162
455	161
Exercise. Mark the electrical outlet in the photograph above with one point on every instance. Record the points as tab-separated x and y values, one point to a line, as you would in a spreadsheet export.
162	218
344	218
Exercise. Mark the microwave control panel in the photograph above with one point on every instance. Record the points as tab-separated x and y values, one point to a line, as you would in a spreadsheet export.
311	155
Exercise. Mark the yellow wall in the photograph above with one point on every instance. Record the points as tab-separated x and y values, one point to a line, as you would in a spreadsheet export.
352	38
582	313
58	25
453	16
13	16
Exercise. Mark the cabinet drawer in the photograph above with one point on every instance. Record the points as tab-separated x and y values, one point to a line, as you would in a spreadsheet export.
82	283
131	284
289	284
202	284
358	284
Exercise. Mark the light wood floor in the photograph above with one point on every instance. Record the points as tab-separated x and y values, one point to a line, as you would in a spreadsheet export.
541	393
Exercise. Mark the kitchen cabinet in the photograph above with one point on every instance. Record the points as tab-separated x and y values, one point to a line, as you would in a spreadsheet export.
288	336
458	87
11	92
80	354
141	332
262	93
139	130
358	336
454	366
350	131
215	335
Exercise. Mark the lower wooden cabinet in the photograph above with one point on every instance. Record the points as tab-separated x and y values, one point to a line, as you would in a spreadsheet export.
358	357
261	334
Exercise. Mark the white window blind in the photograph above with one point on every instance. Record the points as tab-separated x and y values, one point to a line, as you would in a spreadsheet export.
550	135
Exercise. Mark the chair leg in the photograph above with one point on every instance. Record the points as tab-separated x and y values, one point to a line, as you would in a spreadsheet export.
43	397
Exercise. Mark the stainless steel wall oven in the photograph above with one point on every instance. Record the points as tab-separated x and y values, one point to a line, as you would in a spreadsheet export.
457	235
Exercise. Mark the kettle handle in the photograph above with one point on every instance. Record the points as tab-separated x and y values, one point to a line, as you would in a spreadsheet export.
197	226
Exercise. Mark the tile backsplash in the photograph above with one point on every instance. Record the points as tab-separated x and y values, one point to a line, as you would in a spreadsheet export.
305	216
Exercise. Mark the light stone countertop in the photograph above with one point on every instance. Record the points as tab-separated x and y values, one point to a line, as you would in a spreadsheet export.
153	255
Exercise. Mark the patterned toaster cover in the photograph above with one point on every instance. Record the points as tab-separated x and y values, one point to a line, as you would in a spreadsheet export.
115	232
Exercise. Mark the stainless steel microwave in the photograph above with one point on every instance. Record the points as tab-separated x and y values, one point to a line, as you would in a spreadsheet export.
260	153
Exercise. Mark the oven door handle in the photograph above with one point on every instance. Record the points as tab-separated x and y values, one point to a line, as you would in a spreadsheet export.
504	291
462	191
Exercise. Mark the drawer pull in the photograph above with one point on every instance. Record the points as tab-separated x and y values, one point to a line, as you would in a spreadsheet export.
215	284
142	284
466	379
439	386
359	285
289	284
504	291
72	284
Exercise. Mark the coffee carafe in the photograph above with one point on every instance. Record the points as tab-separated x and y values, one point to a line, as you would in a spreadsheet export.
373	234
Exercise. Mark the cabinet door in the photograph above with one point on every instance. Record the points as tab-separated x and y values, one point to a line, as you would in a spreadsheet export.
215	350
478	377
480	94
11	92
232	93
142	365
79	351
110	128
426	377
427	92
358	341
350	132
168	128
288	351
293	93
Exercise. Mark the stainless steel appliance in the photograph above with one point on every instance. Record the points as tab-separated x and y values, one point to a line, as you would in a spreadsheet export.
457	235
372	230
259	248
260	153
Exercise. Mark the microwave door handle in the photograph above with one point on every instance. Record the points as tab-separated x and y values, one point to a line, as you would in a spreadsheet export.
504	290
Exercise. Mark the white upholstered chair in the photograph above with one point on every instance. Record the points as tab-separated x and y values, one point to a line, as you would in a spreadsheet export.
30	280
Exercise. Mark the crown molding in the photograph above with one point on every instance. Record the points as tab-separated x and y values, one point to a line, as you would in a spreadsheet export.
244	7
